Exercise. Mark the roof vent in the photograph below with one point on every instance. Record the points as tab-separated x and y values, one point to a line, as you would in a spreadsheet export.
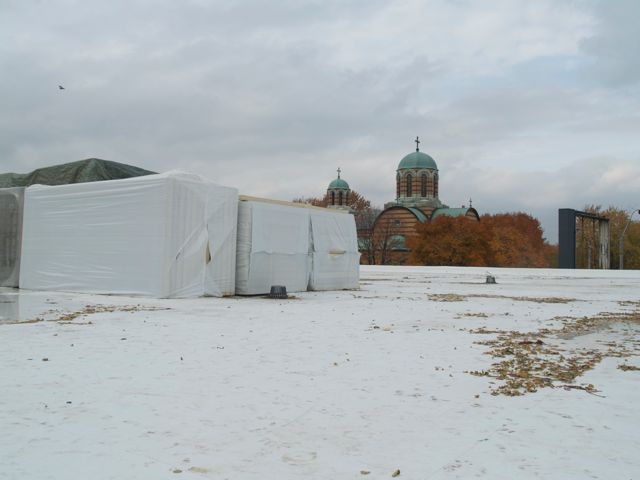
278	291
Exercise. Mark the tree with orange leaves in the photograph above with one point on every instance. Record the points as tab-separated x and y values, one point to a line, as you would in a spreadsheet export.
450	241
503	240
516	240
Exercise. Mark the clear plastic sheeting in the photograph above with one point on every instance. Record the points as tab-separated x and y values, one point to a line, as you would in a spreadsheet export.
11	207
302	248
335	256
167	235
273	248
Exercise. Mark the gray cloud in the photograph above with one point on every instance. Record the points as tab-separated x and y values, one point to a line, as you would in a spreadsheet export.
595	181
615	44
273	96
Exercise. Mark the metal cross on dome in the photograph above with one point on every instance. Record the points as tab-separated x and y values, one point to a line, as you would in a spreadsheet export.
339	172
417	140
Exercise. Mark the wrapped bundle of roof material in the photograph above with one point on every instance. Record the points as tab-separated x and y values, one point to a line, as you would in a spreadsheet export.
167	235
273	247
88	170
11	206
335	257
294	245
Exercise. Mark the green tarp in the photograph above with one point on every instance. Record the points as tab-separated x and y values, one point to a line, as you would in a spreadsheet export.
89	170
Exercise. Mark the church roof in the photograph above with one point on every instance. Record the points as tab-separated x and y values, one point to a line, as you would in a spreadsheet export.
452	212
339	183
418	213
417	160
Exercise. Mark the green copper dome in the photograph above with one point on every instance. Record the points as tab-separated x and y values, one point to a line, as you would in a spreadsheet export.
418	160
339	183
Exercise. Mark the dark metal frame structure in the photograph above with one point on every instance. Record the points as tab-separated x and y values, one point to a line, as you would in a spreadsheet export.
567	237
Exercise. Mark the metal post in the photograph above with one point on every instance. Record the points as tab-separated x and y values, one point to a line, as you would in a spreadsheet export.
621	266
605	258
567	226
567	238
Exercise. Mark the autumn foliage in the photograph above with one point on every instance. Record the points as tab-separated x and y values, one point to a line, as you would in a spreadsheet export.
502	240
587	238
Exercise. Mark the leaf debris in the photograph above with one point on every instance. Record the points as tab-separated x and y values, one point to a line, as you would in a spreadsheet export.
529	361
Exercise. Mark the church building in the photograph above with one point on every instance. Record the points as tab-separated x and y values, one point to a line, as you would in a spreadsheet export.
338	194
417	201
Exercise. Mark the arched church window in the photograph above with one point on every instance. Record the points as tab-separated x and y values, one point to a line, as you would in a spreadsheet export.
333	198
409	185
435	185
346	198
340	198
423	185
398	243
397	185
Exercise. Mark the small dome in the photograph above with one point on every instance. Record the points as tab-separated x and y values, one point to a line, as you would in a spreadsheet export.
339	183
417	160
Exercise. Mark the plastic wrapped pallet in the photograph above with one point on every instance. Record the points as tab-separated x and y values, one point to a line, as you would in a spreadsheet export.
334	246
11	207
300	247
273	247
167	235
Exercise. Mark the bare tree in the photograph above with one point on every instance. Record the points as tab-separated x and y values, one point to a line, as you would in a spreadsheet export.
387	242
365	221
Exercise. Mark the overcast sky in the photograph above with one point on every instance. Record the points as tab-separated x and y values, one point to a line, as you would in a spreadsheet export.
525	105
